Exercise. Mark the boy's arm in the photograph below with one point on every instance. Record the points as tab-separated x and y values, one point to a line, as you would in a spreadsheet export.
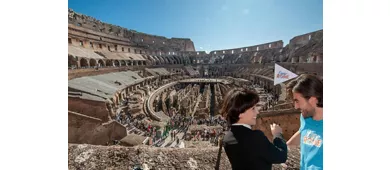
295	140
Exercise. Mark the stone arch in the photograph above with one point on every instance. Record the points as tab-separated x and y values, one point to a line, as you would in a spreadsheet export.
72	61
180	59
84	62
128	62
157	60
101	63
116	63
177	59
122	63
168	60
173	60
149	59
92	62
109	63
154	60
162	61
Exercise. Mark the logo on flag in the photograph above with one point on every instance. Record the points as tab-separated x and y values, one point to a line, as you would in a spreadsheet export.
282	75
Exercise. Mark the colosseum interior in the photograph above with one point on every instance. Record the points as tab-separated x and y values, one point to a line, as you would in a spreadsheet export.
129	91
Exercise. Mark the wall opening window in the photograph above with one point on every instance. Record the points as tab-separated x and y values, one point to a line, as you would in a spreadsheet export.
215	52
232	51
246	49
116	47
309	37
69	40
242	49
197	53
123	49
135	51
91	44
81	43
109	49
128	49
223	52
270	45
257	48
100	46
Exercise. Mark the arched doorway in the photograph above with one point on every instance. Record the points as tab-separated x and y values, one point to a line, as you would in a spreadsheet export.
92	62
72	61
116	63
128	62
83	63
123	63
101	63
108	63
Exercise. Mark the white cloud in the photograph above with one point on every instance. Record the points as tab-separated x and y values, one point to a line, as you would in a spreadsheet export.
201	48
245	11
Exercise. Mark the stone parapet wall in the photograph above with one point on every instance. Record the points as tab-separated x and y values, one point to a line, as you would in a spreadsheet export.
85	129
288	119
120	157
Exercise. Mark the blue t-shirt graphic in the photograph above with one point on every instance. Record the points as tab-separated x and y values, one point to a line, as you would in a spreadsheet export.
311	144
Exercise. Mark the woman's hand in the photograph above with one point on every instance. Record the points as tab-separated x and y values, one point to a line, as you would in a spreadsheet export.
276	129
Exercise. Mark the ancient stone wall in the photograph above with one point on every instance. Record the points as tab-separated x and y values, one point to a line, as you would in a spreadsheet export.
89	130
112	33
120	157
90	108
289	121
276	44
305	38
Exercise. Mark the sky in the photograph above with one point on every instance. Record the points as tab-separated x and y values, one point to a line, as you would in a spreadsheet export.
210	24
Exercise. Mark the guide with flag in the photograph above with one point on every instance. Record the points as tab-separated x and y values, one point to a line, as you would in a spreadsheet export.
282	74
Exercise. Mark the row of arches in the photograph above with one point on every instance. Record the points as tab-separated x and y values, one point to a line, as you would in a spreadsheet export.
79	62
161	60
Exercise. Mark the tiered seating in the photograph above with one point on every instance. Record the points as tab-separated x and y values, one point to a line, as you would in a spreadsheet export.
105	85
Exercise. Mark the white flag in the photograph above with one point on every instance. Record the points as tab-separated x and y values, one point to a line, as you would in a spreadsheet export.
282	75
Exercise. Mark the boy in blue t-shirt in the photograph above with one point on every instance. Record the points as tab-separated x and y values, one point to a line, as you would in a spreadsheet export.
306	91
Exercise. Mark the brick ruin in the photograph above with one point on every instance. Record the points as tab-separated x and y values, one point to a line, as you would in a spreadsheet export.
122	83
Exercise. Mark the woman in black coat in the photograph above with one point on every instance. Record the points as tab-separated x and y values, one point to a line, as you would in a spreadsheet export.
249	149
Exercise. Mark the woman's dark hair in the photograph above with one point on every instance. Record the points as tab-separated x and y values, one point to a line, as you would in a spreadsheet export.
237	101
309	86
